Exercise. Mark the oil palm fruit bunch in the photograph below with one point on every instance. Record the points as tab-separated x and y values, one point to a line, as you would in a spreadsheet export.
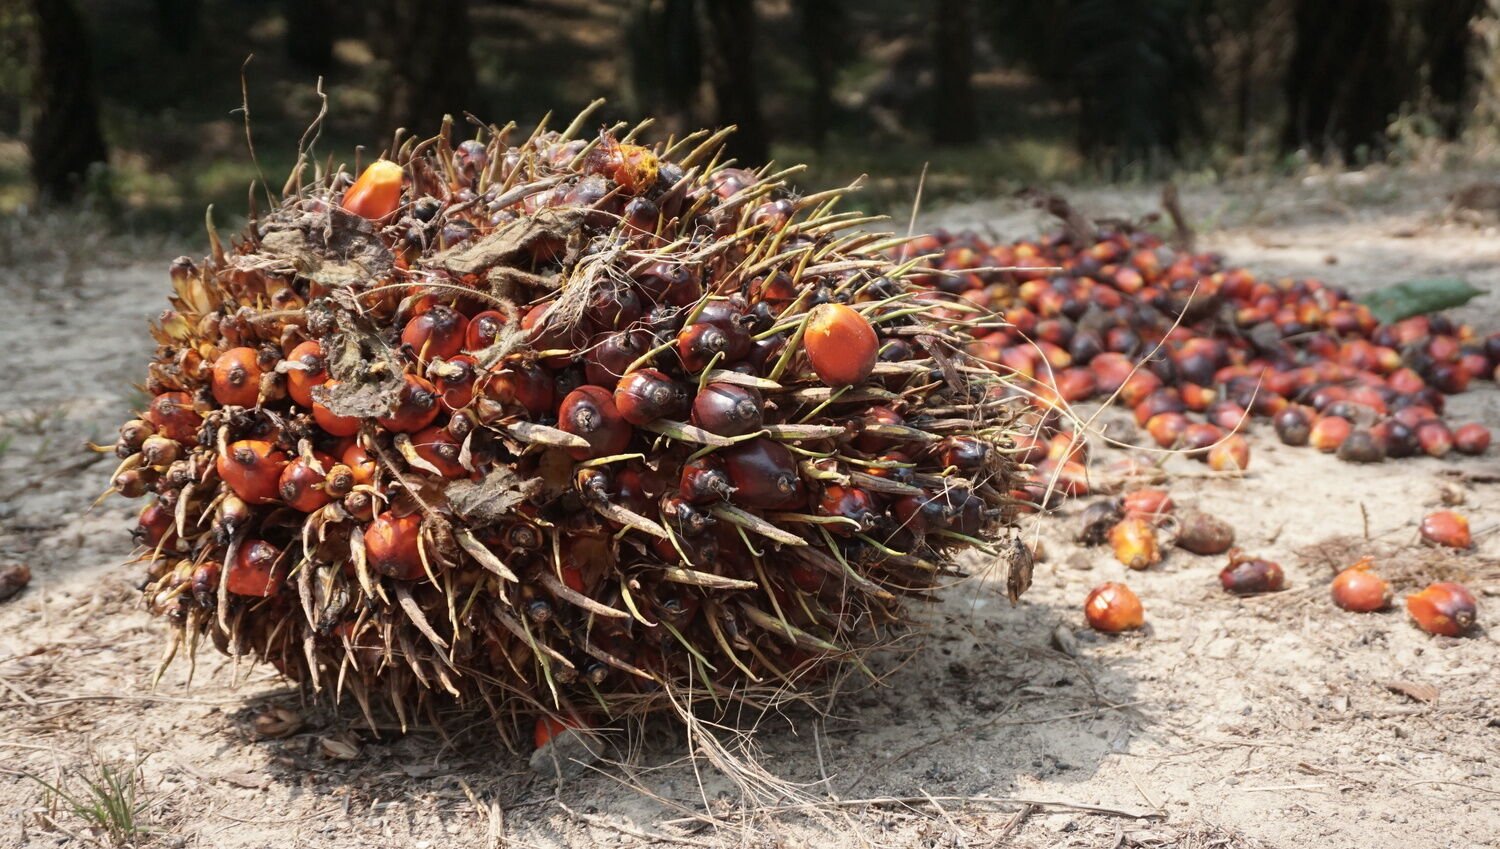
1198	349
558	428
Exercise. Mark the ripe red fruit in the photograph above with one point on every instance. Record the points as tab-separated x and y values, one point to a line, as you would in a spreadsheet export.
1443	608
1446	528
309	370
257	570
417	404
705	481
1359	590
236	378
377	192
1230	455
438	447
1113	608
1148	503
1201	533
1167	428
847	502
438	333
301	485
173	416
841	345
590	412
1472	438
392	546
1248	575
1435	438
252	468
547	727
1329	432
483	330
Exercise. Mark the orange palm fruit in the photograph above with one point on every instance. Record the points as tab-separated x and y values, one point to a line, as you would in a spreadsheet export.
377	192
841	345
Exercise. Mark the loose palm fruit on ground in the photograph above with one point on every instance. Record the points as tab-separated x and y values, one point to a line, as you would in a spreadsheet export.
1443	608
573	425
1134	543
1201	533
1472	439
1113	608
1360	590
1446	528
1251	575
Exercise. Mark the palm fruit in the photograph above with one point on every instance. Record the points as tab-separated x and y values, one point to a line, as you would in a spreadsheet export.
558	429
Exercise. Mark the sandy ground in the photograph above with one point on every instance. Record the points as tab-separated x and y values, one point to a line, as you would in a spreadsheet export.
1270	721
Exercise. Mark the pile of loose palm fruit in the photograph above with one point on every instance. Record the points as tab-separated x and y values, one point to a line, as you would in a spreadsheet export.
1118	314
559	429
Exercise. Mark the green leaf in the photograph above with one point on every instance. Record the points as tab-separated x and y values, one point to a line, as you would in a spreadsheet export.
1418	297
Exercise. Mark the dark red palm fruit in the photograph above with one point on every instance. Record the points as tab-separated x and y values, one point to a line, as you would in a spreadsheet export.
1231	454
705	481
302	486
1161	401
1451	378
1166	429
919	514
1201	533
1446	528
1249	575
205	583
439	333
1329	432
777	289
1444	608
1199	437
763	352
727	409
236	378
393	546
1472	438
454	380
484	330
153	524
841	345
849	503
697	344
1293	425
611	354
438	447
1413	414
1112	608
1228	415
633	489
309	370
872	443
522	383
646	395
613	309
173	416
1110	371
686	519
1434	438
252	468
963	453
417	405
1361	446
590	412
1074	385
1474	364
764	474
257	570
1405	381
332	423
1148	503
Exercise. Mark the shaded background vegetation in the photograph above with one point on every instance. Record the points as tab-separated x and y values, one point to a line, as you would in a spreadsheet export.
133	106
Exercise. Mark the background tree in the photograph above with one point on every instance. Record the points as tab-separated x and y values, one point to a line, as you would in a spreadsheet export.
664	42
955	118
736	78
823	24
309	33
66	139
429	70
1345	79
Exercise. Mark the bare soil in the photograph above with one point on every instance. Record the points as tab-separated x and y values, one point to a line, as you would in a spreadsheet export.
1270	721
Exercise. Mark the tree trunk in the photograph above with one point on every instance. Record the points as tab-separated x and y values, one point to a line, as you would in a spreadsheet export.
65	138
1344	83
178	23
735	79
954	118
1445	48
430	74
309	33
820	36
